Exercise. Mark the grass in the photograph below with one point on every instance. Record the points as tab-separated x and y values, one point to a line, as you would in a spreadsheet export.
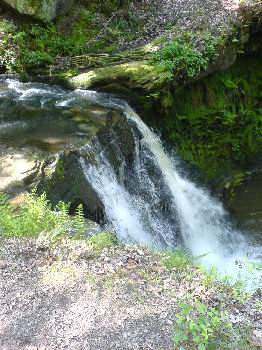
177	259
101	241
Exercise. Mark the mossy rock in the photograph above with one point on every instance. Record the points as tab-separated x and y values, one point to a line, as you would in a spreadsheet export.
128	76
45	10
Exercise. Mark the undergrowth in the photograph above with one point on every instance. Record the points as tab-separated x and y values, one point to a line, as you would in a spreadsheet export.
187	54
92	28
198	326
35	216
201	327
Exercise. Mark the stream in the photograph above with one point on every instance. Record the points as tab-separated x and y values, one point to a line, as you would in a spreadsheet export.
147	199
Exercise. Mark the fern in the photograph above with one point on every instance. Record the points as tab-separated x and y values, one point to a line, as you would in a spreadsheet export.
79	220
32	217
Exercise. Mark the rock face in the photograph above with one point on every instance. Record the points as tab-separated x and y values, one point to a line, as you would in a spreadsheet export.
63	177
45	10
118	154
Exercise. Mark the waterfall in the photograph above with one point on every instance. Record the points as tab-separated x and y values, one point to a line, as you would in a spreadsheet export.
203	224
147	199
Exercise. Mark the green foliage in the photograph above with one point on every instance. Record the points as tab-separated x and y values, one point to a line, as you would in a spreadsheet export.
7	26
92	29
177	259
216	123
201	327
183	58
32	217
39	45
101	241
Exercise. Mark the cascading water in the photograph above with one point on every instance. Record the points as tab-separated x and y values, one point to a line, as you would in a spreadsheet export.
203	223
146	199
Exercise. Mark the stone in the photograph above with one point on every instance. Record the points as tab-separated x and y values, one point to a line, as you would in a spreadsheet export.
45	10
257	338
3	264
63	177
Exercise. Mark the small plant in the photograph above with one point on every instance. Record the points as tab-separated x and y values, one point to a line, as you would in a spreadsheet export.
101	241
200	327
182	57
177	259
209	276
79	221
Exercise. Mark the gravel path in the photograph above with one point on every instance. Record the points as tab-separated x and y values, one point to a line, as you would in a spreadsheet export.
68	297
72	302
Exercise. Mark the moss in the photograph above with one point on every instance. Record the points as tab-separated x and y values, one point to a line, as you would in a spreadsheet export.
60	169
216	123
136	74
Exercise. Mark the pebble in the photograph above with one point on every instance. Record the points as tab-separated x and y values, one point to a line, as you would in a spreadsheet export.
3	264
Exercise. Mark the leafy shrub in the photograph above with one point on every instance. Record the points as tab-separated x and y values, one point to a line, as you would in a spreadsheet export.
40	45
200	327
182	57
7	26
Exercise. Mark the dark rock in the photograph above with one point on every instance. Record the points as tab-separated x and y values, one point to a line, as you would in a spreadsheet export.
63	177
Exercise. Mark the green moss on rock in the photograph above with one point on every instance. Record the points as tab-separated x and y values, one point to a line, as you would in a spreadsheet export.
45	10
133	75
216	123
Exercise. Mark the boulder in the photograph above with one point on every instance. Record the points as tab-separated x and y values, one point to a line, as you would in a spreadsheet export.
63	177
45	10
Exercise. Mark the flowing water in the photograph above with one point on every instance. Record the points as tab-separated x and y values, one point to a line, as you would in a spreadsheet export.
133	195
32	116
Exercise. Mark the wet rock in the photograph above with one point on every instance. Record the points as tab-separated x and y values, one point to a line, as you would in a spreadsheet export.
63	177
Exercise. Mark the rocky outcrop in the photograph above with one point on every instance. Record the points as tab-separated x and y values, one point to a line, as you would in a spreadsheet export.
230	26
63	177
45	10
